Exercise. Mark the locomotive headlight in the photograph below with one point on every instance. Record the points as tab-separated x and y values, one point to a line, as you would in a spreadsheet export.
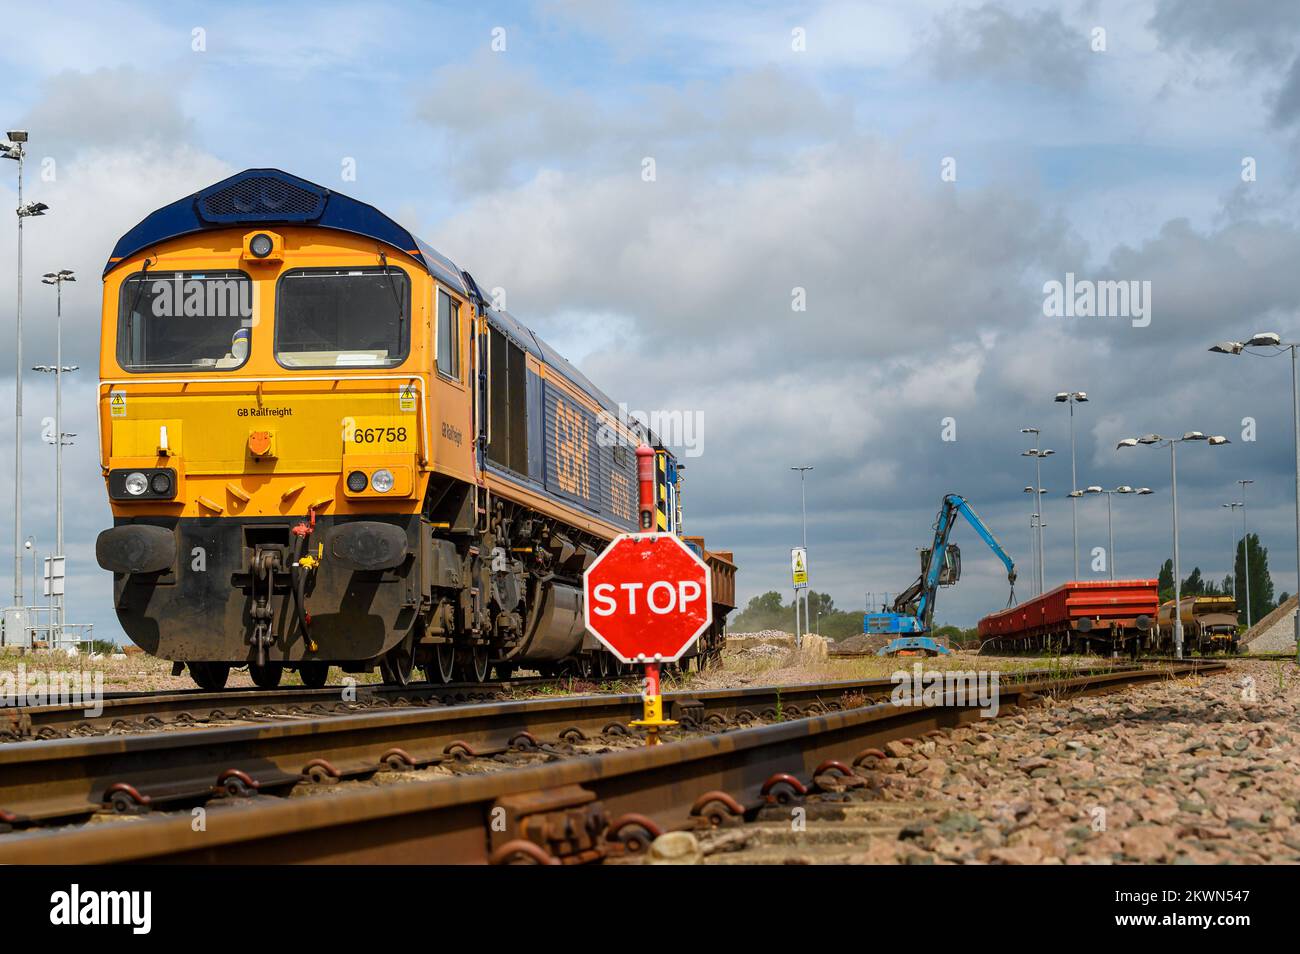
357	481
161	483
136	484
382	480
260	245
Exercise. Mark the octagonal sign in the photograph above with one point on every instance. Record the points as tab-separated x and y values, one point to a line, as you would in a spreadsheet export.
648	597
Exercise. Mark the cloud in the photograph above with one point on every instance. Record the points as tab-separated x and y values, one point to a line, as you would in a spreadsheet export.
1251	32
1037	48
120	107
500	123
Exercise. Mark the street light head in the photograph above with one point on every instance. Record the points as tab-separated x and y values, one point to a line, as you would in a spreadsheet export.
1150	439
1264	339
1194	436
1094	489
1245	481
1123	489
1062	397
49	280
67	274
1029	490
17	135
1081	397
1048	452
1227	347
32	208
1029	430
1144	491
1075	493
1218	439
1127	442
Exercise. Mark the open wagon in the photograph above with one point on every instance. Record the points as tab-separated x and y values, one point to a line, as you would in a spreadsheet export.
1101	616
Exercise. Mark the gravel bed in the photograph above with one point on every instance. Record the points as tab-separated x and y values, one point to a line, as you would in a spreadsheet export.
1198	771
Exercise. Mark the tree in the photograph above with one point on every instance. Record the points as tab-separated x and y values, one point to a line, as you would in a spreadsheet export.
1261	582
1193	585
769	602
1165	581
768	612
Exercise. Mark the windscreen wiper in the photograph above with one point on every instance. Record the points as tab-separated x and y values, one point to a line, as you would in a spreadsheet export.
397	298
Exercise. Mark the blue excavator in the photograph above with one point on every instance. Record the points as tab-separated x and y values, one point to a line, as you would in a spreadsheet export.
911	616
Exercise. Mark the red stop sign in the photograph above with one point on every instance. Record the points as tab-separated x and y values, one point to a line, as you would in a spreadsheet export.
648	597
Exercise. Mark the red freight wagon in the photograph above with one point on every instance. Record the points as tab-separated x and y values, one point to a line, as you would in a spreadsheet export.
1106	616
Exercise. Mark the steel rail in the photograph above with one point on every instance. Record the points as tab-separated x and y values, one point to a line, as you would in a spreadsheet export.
63	778
152	709
581	808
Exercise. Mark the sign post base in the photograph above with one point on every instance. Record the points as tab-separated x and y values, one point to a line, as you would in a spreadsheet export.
652	719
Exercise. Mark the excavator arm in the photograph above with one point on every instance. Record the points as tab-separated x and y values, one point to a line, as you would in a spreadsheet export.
913	610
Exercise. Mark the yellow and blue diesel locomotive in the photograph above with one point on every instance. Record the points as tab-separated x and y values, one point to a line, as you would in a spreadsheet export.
323	446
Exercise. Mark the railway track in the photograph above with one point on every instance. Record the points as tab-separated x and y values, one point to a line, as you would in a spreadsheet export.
566	808
143	711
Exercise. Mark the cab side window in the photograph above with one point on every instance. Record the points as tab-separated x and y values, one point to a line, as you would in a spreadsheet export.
448	335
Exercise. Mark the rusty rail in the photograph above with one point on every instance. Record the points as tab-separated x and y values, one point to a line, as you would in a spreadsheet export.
65	778
154	710
575	809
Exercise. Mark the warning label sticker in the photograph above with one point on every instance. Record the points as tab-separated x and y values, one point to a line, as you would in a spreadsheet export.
406	398
117	403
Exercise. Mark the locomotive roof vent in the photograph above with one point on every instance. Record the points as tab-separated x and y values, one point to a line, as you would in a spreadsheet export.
261	195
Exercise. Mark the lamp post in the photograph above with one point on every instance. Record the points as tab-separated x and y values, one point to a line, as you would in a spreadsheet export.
1245	546
1072	398
1110	525
1232	509
1038	455
57	279
15	149
30	544
803	498
1269	344
1036	524
1173	443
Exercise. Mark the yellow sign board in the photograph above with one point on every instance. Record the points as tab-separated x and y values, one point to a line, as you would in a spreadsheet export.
799	566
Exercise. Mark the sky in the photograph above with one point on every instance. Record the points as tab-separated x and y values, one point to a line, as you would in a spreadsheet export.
822	230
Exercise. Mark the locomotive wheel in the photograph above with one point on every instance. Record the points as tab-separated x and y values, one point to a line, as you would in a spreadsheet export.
604	665
442	667
474	666
210	676
314	675
266	677
395	667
